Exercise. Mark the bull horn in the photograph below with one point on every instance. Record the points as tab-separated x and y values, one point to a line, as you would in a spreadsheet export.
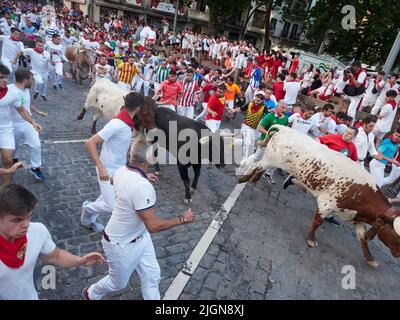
396	225
204	140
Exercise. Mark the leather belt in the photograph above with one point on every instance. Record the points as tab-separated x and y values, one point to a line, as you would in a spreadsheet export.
108	239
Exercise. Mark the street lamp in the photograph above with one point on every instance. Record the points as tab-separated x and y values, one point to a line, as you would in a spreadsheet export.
392	55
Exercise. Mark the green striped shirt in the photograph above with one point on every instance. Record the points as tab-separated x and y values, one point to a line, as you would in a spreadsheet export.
161	74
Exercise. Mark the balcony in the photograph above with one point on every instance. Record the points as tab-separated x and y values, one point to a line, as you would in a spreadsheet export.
198	15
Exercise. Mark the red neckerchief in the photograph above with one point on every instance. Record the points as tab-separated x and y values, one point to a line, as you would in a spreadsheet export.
40	51
357	74
102	64
393	104
15	39
391	139
3	92
391	85
124	116
13	254
301	115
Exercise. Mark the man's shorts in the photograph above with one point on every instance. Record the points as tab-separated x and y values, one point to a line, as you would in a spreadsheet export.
7	138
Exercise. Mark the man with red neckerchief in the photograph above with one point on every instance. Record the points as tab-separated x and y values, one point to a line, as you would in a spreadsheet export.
23	241
12	47
40	61
358	78
115	138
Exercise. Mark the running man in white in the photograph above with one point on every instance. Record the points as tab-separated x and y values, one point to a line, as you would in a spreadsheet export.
9	100
11	50
57	57
22	242
115	138
22	129
40	61
126	240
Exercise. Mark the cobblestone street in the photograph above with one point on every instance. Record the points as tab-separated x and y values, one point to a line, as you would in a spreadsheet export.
259	253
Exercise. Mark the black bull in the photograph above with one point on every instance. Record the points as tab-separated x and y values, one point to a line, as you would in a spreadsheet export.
211	148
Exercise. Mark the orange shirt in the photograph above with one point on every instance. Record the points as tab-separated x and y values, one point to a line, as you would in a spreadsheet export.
234	91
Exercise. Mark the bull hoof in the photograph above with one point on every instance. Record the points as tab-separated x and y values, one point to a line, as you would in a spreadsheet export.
312	243
372	263
79	117
187	201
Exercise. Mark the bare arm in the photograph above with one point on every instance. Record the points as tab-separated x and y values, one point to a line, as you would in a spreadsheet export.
26	116
156	224
91	147
64	259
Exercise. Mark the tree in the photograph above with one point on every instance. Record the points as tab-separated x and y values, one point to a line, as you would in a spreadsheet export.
377	25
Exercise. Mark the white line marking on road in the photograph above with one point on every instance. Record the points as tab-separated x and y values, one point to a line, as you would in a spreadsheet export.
64	141
178	284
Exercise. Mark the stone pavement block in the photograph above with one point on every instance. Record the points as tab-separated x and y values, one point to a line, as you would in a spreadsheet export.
207	261
225	289
212	280
193	287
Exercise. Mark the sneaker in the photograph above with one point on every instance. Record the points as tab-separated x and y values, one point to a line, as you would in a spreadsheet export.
44	98
35	95
55	87
288	182
333	221
95	226
60	86
38	174
85	293
15	161
269	178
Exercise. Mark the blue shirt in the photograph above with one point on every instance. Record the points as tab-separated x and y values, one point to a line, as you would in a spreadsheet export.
388	149
256	75
270	104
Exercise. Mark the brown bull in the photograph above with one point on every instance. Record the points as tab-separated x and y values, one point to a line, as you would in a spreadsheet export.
80	62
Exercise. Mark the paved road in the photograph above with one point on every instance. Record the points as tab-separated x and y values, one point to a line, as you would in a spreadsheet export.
259	253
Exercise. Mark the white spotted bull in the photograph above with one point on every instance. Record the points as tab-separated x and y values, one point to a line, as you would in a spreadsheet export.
341	186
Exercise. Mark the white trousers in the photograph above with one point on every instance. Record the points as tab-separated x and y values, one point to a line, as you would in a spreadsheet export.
230	104
122	261
103	205
186	112
377	170
156	86
249	138
377	106
25	131
354	102
41	80
123	85
138	86
393	176
213	125
56	73
249	94
203	113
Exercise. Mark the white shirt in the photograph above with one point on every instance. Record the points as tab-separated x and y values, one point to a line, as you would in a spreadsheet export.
340	83
68	41
151	34
319	120
292	89
10	47
133	193
7	103
17	284
306	79
117	136
5	28
301	124
145	32
340	128
103	72
93	45
388	114
24	101
364	143
39	61
56	51
385	89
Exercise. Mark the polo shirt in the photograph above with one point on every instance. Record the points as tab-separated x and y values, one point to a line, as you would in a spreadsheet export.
336	143
270	119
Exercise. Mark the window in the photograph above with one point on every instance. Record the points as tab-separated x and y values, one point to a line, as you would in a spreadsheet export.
285	30
293	33
272	25
258	19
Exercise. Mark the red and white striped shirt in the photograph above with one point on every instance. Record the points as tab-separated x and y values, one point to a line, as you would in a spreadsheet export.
189	89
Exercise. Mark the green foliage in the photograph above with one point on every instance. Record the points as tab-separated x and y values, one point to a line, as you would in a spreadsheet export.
377	25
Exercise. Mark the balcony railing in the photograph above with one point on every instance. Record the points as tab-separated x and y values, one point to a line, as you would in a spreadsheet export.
199	15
